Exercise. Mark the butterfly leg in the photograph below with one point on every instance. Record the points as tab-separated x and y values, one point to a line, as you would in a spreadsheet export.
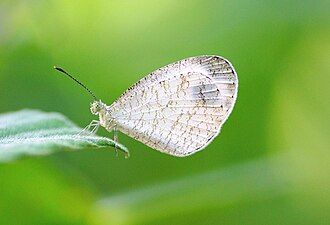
115	138
114	129
94	125
95	128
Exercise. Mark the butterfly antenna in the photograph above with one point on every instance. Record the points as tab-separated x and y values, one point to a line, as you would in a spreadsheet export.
77	81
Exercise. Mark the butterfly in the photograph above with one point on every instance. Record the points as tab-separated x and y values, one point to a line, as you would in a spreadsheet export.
177	109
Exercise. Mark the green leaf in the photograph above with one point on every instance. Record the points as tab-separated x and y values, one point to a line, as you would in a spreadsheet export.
254	181
33	132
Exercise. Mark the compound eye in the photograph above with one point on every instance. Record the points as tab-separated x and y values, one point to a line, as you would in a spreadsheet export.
93	109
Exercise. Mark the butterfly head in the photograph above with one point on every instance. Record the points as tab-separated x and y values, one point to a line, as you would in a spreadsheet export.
97	106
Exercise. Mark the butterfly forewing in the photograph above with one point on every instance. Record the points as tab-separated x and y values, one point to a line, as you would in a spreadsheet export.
178	109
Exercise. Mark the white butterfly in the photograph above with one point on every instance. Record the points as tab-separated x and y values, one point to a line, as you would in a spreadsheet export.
178	109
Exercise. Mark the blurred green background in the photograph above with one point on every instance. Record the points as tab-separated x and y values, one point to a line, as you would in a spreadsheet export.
271	163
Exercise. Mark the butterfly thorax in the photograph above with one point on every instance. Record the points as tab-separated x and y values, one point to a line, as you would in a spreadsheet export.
106	120
100	109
